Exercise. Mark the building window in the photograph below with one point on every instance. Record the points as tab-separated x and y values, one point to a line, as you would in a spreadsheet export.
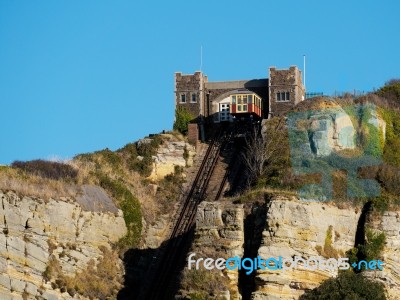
283	96
194	98
183	98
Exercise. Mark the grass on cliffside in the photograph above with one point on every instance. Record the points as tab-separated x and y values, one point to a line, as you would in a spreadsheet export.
370	142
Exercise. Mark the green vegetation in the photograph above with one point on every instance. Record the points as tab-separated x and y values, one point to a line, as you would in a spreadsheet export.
329	250
138	156
130	207
347	286
391	91
391	155
374	244
370	250
182	118
203	284
370	138
376	149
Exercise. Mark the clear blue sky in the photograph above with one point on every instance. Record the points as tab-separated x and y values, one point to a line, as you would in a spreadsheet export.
79	76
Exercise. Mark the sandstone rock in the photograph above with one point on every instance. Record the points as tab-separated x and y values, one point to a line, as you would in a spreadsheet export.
169	155
220	232
297	228
389	224
37	229
94	198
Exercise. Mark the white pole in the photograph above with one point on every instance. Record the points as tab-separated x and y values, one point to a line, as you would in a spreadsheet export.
304	56
201	58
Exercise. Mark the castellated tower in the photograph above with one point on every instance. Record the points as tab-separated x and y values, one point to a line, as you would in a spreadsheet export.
189	92
285	90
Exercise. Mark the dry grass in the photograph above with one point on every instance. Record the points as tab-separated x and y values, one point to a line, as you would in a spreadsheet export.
31	185
204	284
97	281
133	181
261	194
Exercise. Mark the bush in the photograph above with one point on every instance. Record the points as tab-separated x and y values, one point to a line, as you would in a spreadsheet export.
47	169
370	250
96	281
374	244
130	207
347	285
391	91
182	119
144	149
203	284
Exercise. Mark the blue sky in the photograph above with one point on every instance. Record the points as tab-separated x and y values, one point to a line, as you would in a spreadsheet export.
80	76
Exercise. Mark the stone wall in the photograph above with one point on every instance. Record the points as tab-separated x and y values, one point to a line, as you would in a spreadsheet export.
287	80
188	85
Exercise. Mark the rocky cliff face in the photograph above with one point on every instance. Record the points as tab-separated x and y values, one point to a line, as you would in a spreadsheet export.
219	234
170	154
305	229
389	224
41	239
294	228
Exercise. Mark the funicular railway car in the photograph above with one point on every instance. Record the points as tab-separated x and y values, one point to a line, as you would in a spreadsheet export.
245	103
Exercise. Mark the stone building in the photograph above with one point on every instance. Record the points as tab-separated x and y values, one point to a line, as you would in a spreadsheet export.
210	102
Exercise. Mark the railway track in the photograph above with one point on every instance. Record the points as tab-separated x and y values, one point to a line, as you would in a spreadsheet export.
164	272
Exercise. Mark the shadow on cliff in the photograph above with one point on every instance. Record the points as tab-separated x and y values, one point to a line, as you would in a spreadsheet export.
155	273
254	224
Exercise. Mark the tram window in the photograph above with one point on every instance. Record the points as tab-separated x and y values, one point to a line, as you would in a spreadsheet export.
233	99
249	98
245	107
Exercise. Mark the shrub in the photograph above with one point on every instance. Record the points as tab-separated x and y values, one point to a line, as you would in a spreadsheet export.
97	281
391	90
203	284
329	250
110	157
169	189
47	169
130	207
347	285
182	119
370	250
374	244
144	149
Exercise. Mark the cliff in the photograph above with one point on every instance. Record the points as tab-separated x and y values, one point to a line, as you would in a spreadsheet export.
305	229
292	228
45	244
